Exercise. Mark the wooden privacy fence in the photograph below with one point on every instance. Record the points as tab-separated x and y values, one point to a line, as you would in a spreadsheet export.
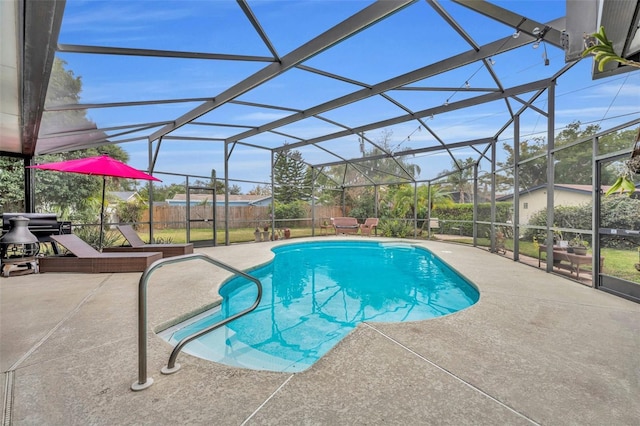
175	217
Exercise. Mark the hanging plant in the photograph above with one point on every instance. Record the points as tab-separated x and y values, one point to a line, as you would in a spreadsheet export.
622	184
598	45
625	182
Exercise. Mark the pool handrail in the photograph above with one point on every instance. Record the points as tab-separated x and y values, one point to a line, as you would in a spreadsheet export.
143	380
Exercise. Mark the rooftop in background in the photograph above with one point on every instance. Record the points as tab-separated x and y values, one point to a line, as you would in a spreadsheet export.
234	200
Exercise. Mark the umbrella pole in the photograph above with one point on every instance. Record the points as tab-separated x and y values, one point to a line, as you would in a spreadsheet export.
104	185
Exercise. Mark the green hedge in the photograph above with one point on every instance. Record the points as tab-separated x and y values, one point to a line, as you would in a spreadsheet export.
465	212
619	212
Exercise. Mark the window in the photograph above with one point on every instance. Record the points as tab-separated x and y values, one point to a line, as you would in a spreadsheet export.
525	205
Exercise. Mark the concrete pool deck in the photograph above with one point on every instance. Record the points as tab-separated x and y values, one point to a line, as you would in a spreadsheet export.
536	349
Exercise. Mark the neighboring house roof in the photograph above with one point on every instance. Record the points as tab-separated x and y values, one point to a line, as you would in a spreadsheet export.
235	199
583	189
125	196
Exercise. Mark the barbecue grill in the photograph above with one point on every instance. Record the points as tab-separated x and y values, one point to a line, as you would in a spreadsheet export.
42	225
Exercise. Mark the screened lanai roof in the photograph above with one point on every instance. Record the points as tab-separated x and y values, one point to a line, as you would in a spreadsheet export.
184	86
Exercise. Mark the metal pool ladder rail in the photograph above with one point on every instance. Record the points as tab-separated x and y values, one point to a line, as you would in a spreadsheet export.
144	381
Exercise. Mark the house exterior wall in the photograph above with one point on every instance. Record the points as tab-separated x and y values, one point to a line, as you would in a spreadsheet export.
537	200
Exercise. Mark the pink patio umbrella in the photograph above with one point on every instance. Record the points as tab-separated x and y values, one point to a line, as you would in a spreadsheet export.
102	165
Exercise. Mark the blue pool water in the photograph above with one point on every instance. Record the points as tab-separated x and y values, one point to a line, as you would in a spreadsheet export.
314	294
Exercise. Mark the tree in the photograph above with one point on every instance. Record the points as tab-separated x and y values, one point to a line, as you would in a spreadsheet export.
385	169
403	200
291	177
76	196
532	173
363	204
235	189
64	88
260	190
460	181
219	187
68	194
11	184
574	163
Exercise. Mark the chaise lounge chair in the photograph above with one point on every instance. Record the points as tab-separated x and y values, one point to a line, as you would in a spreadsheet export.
370	224
89	260
137	245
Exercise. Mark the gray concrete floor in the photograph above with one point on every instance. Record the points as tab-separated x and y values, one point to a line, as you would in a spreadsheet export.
536	349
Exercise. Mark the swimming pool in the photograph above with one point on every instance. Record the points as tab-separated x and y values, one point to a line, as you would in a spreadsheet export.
315	293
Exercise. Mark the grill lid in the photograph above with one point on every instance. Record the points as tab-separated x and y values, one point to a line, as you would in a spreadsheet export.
19	232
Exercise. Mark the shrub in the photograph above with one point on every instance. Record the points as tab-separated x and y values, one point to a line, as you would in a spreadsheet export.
294	210
618	212
130	212
394	228
465	212
91	235
578	217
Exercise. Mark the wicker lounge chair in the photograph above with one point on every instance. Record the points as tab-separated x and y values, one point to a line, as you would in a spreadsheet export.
370	224
167	250
88	260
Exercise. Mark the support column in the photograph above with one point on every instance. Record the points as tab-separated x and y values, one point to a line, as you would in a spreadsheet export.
29	187
375	200
428	210
273	198
550	173
493	196
214	180
313	202
226	193
596	196
475	204
150	188
415	209
516	188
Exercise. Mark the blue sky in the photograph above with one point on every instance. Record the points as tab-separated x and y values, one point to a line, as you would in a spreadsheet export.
410	39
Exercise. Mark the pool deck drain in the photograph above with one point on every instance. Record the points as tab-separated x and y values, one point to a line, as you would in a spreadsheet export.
536	349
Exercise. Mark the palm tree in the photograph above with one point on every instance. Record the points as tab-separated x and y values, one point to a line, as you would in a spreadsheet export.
459	181
403	200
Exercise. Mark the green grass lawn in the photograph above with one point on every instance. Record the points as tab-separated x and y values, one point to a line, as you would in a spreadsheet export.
618	263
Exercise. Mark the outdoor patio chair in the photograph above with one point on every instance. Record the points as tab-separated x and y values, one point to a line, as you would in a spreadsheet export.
86	259
370	224
346	225
137	245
